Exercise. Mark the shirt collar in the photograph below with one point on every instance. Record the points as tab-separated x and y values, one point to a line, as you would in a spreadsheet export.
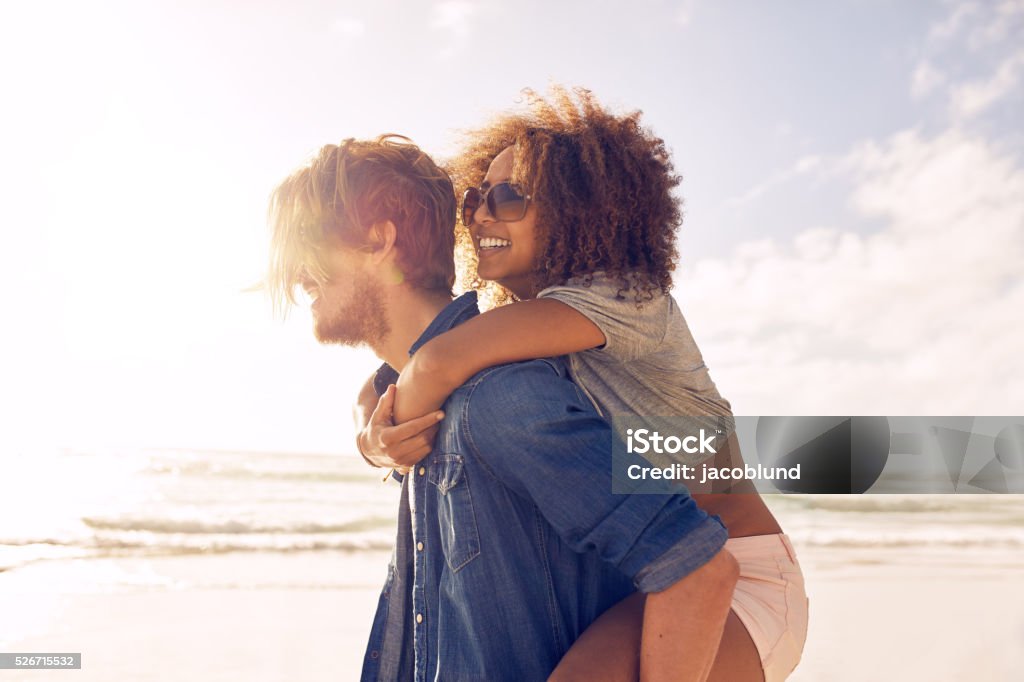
454	314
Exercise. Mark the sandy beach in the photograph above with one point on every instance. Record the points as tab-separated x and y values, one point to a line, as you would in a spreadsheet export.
217	618
923	617
880	615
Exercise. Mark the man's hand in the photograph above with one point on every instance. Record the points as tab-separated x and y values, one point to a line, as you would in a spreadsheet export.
384	444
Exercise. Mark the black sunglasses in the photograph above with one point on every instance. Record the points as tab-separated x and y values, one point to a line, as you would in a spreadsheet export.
505	202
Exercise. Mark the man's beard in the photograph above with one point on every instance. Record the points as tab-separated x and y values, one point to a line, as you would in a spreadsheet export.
359	320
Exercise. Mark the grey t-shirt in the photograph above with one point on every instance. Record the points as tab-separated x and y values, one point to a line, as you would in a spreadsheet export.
650	365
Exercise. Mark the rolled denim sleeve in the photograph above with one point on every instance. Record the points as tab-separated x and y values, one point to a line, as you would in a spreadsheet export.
384	377
537	434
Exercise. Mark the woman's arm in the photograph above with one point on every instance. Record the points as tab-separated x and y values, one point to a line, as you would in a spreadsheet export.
379	441
538	328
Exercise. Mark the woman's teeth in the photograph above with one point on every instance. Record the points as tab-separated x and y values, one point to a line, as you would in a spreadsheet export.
493	243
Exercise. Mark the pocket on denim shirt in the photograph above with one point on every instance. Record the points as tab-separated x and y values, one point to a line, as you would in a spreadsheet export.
460	539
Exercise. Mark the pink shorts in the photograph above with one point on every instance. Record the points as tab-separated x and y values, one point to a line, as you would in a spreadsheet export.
771	601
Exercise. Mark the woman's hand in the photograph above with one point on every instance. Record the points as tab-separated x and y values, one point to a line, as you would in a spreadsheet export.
384	444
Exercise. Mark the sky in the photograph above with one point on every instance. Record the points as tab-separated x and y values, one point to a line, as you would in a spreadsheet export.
852	181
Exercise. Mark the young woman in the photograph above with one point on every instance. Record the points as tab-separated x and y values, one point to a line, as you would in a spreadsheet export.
569	208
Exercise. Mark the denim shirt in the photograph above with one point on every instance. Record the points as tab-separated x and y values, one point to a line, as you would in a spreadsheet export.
510	541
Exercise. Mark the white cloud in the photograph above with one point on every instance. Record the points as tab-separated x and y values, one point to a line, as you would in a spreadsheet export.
1005	18
973	98
918	318
954	23
925	79
978	48
979	25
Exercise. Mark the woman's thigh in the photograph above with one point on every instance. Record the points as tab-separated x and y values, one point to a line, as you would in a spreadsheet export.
608	650
738	659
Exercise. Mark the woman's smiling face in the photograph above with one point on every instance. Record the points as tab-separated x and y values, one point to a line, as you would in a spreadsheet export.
506	251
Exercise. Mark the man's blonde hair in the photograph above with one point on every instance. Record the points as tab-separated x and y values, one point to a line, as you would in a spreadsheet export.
346	190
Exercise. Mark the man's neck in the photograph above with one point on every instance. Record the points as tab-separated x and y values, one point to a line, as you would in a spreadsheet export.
409	312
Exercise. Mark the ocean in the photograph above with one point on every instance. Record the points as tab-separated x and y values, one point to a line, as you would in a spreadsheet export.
147	503
144	503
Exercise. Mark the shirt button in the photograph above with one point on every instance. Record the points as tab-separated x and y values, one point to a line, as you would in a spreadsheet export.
419	617
423	470
374	654
419	546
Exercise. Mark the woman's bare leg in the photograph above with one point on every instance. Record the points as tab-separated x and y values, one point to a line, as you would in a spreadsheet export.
609	650
737	659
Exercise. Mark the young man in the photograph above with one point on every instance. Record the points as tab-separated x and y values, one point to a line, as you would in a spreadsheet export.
510	541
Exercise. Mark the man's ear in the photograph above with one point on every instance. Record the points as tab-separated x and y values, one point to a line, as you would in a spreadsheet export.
382	237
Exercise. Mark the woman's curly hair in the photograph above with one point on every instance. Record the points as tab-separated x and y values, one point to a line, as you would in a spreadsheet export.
602	184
